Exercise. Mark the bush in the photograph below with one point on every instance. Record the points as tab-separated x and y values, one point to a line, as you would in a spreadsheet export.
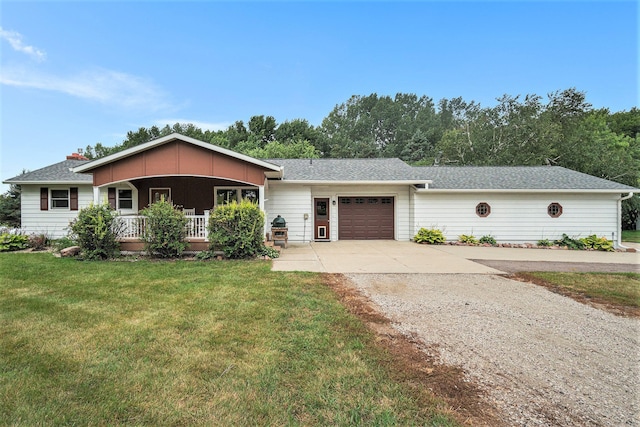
13	242
488	240
237	230
570	243
598	243
39	242
545	242
96	230
431	236
165	230
468	239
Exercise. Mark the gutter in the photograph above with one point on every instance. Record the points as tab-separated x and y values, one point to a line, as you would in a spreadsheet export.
628	196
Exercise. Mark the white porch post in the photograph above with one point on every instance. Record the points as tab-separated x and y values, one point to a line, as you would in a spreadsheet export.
262	207
96	195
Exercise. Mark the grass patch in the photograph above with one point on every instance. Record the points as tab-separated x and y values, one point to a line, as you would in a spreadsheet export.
631	236
189	343
620	291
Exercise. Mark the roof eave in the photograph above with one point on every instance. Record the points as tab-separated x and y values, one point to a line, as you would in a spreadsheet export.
523	190
355	182
47	182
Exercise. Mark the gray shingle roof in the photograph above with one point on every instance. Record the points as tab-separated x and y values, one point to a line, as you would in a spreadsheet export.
347	170
59	172
380	170
514	178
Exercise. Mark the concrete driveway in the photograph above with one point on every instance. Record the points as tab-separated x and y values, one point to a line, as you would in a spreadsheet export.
390	256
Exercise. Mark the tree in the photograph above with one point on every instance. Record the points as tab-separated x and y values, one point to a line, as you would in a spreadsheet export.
263	128
300	149
626	122
10	207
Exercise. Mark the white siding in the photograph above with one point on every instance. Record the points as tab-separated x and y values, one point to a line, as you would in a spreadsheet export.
517	217
53	222
104	197
291	202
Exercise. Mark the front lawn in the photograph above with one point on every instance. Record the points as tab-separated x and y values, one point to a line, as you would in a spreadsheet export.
618	291
631	236
189	343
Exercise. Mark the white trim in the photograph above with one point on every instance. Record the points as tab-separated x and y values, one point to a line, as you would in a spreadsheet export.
68	199
239	193
515	190
50	182
170	138
325	182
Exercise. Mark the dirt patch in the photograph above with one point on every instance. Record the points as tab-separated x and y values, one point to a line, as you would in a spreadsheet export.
414	363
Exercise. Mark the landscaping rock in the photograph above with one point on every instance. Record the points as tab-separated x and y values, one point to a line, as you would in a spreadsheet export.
70	251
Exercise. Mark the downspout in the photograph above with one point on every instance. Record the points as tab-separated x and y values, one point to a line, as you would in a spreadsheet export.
628	196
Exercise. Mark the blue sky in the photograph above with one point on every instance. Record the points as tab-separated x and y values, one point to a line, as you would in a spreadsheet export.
77	73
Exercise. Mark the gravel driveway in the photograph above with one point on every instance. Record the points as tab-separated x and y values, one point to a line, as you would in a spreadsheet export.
543	359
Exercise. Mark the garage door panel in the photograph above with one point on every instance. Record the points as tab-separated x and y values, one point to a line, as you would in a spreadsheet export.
366	218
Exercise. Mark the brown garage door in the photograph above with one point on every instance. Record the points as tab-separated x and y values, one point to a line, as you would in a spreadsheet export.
365	218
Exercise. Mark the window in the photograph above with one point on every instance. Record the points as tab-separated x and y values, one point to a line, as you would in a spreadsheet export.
226	195
250	194
345	201
554	210
59	199
386	200
359	200
483	209
157	194
125	199
372	201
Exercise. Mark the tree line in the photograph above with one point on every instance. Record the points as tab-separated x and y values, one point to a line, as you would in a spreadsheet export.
561	129
564	130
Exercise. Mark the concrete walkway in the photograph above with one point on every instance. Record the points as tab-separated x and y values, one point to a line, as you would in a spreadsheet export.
390	256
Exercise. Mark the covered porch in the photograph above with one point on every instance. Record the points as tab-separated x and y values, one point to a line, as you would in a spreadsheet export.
194	175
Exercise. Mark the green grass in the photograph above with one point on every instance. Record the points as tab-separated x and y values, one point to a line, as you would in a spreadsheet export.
631	236
189	343
619	289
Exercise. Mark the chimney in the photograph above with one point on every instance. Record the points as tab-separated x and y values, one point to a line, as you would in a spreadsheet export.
76	156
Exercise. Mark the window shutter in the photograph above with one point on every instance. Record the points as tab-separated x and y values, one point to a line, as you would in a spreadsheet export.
111	194
73	198
44	199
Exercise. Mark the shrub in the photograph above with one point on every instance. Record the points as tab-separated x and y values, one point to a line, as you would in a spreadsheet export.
39	242
96	229
468	239
569	242
270	252
165	230
597	243
488	240
13	242
545	242
237	230
431	236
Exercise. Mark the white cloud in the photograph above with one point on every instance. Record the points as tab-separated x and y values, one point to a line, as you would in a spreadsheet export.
105	86
15	40
202	125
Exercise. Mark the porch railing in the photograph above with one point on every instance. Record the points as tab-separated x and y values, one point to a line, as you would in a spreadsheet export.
133	226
